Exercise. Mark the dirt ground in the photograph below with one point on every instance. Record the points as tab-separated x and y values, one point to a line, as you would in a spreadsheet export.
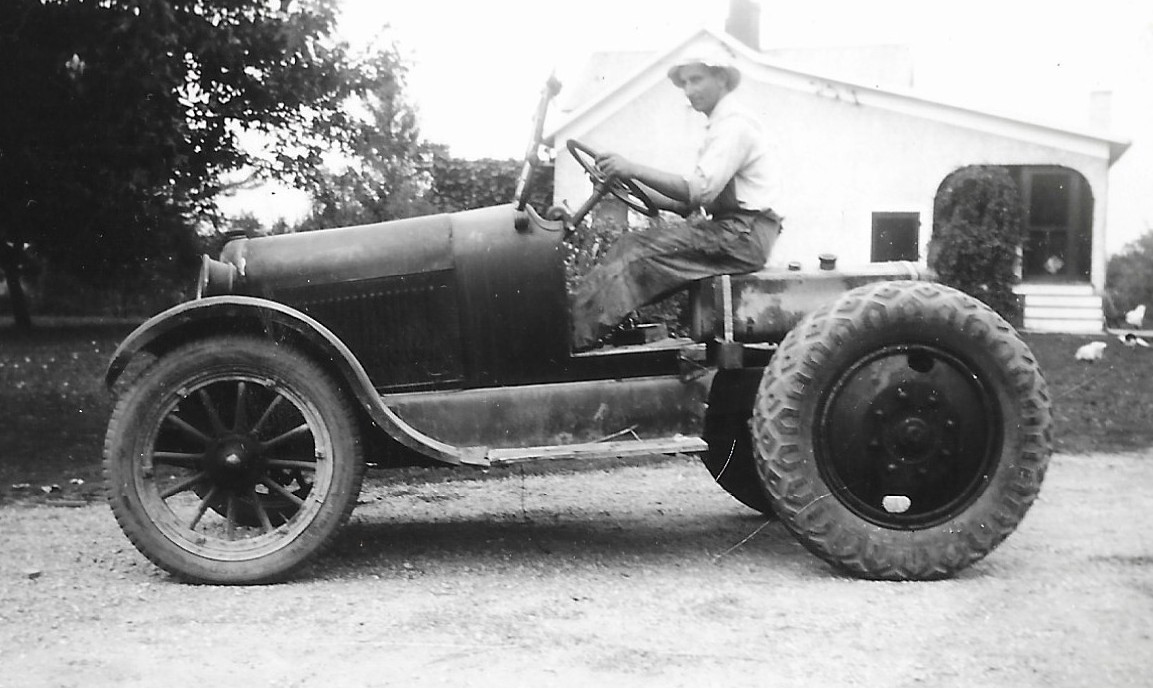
646	575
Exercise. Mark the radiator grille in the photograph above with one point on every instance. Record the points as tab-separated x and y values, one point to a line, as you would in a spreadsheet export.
404	330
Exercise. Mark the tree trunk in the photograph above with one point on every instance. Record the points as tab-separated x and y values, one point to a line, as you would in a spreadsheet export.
10	261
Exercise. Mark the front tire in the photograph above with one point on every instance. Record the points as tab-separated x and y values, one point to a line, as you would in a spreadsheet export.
232	460
902	431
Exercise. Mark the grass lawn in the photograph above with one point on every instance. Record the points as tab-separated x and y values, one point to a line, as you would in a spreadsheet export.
1106	406
54	405
54	408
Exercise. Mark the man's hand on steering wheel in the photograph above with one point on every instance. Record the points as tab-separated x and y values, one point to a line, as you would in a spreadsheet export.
616	165
619	185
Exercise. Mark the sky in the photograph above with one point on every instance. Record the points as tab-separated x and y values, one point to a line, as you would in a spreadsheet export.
476	67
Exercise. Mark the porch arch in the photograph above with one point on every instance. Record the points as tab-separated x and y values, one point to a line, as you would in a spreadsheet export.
1057	222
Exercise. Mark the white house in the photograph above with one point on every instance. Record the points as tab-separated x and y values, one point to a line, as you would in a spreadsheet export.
861	163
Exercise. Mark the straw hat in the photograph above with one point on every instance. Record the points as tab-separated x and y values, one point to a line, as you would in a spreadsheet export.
712	56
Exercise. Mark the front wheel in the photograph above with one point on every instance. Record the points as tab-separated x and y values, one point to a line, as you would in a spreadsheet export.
232	460
902	431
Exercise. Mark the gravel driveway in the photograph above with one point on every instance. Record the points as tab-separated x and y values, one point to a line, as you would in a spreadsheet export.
642	576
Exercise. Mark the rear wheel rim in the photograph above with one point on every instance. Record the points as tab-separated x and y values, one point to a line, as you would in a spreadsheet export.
908	436
235	468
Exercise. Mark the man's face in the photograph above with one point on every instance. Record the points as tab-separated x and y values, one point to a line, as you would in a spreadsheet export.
702	87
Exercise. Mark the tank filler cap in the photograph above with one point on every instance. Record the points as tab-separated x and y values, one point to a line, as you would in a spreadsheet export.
795	266
828	261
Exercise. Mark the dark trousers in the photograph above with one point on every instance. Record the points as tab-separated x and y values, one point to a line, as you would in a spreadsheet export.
646	266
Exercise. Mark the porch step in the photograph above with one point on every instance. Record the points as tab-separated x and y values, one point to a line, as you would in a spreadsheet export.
1063	326
1066	308
1074	302
1076	289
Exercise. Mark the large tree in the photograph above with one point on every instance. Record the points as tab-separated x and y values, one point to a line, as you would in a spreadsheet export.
384	174
119	119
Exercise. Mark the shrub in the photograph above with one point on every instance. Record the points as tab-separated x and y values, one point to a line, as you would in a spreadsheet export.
585	245
459	184
977	221
1129	279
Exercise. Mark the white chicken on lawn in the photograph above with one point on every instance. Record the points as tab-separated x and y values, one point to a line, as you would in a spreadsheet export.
1093	351
1136	316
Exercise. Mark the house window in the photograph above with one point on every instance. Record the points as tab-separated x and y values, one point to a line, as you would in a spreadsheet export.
896	236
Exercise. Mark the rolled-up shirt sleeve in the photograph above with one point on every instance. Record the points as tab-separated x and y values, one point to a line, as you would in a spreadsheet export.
723	153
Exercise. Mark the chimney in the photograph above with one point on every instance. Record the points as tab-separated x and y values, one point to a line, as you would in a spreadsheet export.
744	22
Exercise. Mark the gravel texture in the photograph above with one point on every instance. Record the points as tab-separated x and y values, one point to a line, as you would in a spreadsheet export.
646	575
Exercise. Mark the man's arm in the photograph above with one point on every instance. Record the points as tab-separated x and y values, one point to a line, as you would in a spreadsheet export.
663	202
726	147
672	190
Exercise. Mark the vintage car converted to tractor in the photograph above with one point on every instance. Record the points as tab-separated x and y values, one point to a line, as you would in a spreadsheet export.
899	428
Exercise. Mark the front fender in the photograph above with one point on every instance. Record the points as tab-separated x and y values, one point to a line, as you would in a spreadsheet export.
198	318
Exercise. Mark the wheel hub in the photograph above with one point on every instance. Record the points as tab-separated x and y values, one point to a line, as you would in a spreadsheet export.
911	427
235	459
923	420
913	434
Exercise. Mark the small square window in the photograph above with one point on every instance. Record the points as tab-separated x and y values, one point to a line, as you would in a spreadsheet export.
896	236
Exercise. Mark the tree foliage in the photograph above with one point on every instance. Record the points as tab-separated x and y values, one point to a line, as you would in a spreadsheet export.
977	221
382	177
459	184
119	119
428	180
1129	278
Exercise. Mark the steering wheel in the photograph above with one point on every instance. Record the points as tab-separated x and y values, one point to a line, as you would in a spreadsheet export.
627	190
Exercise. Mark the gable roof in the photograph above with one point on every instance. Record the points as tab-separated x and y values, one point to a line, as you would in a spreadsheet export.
600	76
758	67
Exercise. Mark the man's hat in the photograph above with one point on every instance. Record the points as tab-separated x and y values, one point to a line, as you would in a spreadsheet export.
715	57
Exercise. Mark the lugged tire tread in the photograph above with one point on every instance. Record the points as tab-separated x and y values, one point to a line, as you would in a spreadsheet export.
802	502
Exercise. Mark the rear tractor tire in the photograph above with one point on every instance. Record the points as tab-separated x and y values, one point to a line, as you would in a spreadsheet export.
902	431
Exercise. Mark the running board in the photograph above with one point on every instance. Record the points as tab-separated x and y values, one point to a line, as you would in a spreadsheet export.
598	450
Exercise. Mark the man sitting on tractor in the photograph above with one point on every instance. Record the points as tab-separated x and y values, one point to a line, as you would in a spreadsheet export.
731	182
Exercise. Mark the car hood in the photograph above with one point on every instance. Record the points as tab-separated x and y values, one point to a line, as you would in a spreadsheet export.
346	254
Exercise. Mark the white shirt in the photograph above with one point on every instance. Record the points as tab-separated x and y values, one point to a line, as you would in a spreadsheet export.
734	168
